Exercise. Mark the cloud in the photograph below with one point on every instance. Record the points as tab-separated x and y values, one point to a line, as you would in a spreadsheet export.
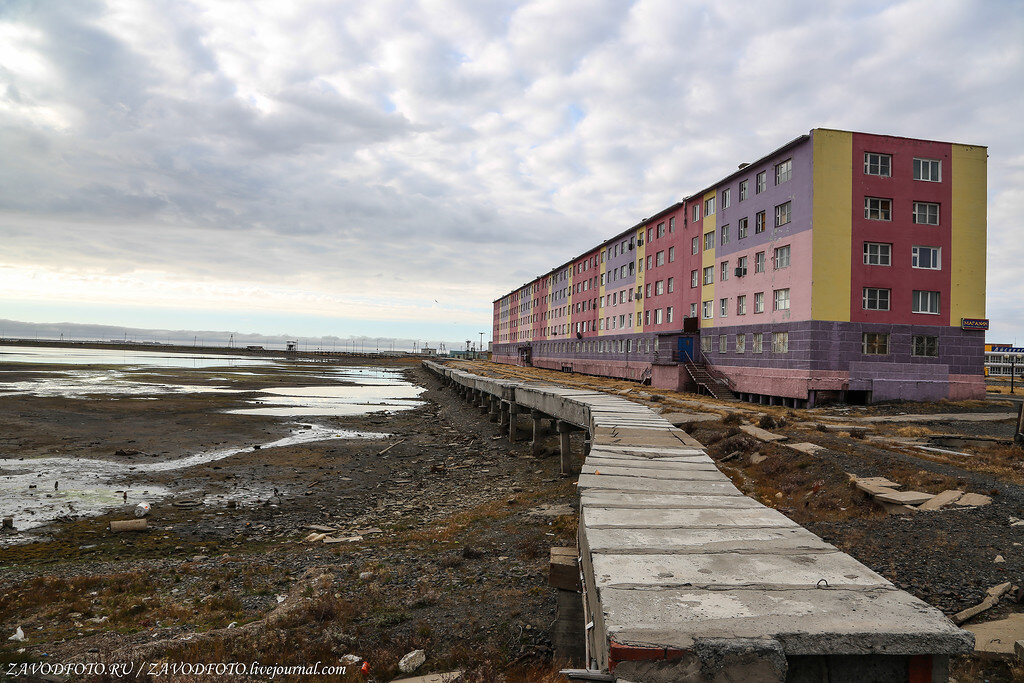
356	152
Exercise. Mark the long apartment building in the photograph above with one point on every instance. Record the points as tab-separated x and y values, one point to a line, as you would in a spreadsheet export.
841	266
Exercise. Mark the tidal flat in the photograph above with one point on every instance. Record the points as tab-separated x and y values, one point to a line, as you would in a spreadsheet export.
437	530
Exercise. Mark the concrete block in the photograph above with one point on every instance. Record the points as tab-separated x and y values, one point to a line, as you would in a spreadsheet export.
865	483
904	497
687	473
675	518
998	638
973	499
645	541
940	500
619	483
761	434
563	569
598	498
806	447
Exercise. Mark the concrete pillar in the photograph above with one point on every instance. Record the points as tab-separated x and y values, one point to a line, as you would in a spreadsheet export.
495	408
485	402
504	414
563	443
538	431
586	444
513	419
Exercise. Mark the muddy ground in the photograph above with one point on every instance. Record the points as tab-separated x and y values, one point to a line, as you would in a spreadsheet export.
454	527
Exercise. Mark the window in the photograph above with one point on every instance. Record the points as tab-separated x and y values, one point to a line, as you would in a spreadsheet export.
705	344
780	342
709	275
759	262
661	229
759	302
706	309
759	222
671	285
723	308
650	261
756	342
647	317
783	212
693	310
741	265
741	228
694	278
726	198
926	302
696	212
925	346
724	273
695	245
783	171
725	234
762	182
660	259
875	299
744	189
741	342
877	164
874	344
877	254
658	316
672	224
782	257
709	206
741	304
926	257
668	314
926	213
659	287
928	169
782	299
671	254
723	343
877	209
709	240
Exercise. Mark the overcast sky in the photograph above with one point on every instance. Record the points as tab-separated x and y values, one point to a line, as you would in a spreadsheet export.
391	167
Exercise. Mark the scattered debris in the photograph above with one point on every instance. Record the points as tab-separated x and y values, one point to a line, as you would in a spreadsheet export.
762	434
807	447
999	559
350	660
19	635
142	509
973	499
903	497
992	598
998	638
947	497
392	446
117	526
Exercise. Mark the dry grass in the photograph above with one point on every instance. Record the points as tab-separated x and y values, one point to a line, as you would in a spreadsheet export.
913	431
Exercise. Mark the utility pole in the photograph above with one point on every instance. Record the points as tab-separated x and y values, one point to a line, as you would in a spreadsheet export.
1013	370
481	347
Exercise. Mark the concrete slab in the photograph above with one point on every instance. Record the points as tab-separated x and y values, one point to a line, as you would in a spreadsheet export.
769	570
775	540
807	447
761	434
875	481
873	489
614	482
941	500
973	499
996	638
675	518
805	622
645	464
679	419
904	497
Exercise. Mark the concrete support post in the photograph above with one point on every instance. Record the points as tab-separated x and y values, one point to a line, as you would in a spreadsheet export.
495	408
513	419
587	440
563	443
538	431
504	414
485	403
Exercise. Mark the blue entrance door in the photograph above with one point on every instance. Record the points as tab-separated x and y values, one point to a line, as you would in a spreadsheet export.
685	348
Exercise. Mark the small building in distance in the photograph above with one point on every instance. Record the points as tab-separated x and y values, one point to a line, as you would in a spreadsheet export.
291	346
1003	359
841	266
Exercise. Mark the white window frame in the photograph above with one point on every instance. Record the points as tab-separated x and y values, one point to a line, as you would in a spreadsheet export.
723	307
741	343
921	344
783	214
878	164
877	209
724	230
759	262
709	275
744	190
709	240
709	206
874	295
783	171
924	301
726	198
780	342
915	257
670	285
695	245
659	288
926	213
694	278
724	272
741	304
707	309
781	299
659	259
723	343
668	314
761	182
671	254
924	169
759	220
742	226
875	255
758	302
782	257
757	343
696	212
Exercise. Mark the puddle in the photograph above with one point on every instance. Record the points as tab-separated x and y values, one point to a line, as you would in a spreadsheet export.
91	486
166	359
337	400
85	383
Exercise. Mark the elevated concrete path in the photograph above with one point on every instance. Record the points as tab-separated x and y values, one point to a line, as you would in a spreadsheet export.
685	578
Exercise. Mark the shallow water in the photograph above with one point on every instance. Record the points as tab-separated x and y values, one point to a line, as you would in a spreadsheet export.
91	486
162	359
344	400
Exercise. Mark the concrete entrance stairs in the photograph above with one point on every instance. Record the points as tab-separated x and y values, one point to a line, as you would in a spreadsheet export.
713	385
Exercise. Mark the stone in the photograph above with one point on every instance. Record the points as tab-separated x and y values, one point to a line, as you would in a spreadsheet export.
999	559
435	678
904	497
998	638
973	499
412	661
941	500
365	576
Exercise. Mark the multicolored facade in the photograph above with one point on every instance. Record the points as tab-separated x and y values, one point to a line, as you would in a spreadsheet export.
841	266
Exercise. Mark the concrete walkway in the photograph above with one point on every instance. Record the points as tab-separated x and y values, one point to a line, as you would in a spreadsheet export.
685	578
